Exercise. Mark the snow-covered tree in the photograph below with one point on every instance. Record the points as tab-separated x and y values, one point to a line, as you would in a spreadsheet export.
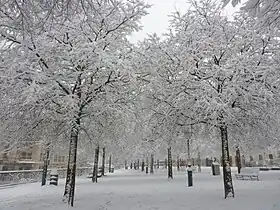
212	71
67	56
231	65
267	12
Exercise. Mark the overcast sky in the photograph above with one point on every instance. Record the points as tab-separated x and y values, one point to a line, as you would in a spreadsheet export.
157	19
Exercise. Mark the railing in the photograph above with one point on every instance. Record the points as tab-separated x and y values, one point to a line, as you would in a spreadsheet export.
28	176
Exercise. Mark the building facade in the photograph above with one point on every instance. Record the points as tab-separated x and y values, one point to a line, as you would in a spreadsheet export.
31	158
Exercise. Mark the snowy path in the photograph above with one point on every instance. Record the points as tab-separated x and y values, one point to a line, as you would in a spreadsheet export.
134	190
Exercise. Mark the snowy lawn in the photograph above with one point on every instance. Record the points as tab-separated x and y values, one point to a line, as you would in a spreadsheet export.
133	190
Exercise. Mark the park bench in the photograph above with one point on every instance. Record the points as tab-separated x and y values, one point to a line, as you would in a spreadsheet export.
248	173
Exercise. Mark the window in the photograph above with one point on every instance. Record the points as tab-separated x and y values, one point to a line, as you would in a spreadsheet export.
251	158
29	156
59	158
23	155
55	158
63	158
5	156
26	155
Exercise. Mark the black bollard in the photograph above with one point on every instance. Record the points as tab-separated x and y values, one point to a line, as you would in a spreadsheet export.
147	170
190	178
125	164
143	166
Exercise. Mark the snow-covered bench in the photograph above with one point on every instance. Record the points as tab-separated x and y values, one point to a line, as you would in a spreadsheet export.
99	173
248	173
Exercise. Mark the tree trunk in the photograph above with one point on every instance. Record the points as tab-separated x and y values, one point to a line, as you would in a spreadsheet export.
103	162
131	165
238	160
138	164
178	164
125	164
170	173
228	186
67	182
189	153
147	165
165	162
46	163
95	165
152	164
157	164
199	162
110	164
71	167
143	166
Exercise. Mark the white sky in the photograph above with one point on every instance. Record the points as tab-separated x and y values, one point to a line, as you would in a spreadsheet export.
157	19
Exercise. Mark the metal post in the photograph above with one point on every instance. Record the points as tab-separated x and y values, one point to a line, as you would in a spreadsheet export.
190	177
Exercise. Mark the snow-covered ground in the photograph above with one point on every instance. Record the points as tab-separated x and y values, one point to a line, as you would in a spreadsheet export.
133	190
